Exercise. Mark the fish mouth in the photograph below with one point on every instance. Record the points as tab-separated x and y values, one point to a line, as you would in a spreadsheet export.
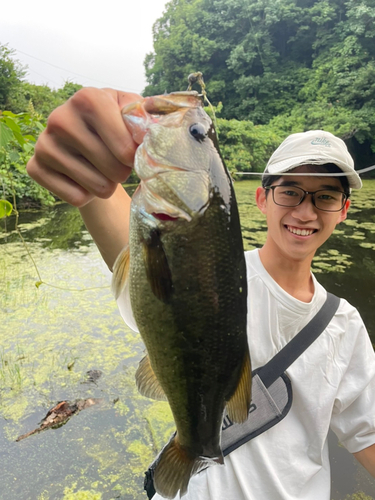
164	217
300	231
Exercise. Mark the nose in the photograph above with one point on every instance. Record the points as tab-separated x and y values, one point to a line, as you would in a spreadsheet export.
306	211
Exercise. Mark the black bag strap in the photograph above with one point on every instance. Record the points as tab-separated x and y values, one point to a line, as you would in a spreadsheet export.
288	354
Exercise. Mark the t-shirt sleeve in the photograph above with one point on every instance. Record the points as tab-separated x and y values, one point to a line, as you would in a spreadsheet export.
353	416
125	308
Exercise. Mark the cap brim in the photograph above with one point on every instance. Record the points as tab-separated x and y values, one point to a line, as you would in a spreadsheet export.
354	179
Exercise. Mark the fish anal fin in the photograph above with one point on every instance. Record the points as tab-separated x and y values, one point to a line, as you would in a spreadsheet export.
158	272
174	467
239	404
147	383
120	272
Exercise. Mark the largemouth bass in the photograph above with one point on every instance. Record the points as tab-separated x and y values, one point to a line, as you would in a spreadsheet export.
186	274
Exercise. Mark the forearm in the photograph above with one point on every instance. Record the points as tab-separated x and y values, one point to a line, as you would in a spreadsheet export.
107	220
366	457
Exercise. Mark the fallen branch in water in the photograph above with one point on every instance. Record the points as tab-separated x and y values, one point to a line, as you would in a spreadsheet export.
60	414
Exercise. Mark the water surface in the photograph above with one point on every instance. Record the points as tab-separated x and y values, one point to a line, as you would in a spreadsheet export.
51	337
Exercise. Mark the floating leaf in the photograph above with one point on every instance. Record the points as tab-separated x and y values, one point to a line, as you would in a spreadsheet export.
5	208
38	283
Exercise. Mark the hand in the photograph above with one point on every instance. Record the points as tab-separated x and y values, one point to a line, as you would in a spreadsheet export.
86	149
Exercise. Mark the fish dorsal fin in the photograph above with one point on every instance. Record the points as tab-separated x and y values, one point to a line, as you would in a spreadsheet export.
239	404
120	271
158	272
147	383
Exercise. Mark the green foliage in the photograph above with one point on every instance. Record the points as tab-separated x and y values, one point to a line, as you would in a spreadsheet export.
246	147
16	94
358	496
320	115
11	73
6	208
265	58
43	98
24	108
18	133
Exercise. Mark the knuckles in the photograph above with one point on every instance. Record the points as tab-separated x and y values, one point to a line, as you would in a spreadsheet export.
31	168
125	155
63	119
78	198
104	190
58	122
86	99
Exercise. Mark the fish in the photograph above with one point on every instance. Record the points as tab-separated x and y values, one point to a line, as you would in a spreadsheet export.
185	272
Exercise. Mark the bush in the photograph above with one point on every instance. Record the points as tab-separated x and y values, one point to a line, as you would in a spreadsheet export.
18	134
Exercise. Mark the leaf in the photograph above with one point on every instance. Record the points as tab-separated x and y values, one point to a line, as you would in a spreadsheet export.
28	147
5	135
19	137
30	137
8	113
12	124
5	208
40	126
14	156
38	283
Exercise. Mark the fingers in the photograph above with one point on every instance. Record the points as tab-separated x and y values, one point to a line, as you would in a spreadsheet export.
59	184
100	111
86	149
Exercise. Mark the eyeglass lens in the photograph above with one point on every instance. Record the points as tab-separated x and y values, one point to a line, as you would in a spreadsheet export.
290	196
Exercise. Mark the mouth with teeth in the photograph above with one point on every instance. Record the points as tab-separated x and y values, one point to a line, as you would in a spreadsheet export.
299	231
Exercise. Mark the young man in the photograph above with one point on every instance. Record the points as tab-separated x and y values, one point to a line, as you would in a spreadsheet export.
83	155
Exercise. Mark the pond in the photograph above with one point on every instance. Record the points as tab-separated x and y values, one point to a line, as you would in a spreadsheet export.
52	336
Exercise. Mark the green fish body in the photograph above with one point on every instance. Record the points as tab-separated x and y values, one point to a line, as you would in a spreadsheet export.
186	273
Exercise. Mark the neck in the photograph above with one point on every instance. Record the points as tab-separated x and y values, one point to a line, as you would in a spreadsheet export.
294	276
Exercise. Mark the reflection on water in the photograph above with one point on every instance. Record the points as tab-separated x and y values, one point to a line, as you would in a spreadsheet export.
51	337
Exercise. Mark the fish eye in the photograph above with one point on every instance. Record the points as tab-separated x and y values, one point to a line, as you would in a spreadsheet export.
198	131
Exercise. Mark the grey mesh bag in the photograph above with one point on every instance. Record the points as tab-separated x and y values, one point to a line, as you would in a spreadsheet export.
271	397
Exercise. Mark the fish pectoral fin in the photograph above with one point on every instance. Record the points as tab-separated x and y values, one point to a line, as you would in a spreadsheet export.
120	272
174	467
158	272
147	383
239	404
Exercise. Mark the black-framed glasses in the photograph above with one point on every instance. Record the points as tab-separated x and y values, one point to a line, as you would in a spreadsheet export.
327	200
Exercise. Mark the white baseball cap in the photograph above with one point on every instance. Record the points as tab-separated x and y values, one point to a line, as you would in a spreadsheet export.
314	147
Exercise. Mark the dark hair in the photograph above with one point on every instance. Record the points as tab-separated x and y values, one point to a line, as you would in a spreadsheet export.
329	168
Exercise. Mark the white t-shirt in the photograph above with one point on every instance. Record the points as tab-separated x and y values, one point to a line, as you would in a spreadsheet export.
333	385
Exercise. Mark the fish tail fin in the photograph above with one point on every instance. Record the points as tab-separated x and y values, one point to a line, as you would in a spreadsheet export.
239	404
120	272
174	467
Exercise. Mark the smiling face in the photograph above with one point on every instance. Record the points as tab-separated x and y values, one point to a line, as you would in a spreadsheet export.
295	233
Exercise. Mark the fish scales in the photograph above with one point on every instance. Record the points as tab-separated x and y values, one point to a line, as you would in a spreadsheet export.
180	345
187	282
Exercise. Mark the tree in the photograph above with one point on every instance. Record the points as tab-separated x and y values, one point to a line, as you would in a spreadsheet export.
43	98
268	58
11	74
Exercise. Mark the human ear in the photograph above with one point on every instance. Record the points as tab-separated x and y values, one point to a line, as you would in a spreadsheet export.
260	196
344	212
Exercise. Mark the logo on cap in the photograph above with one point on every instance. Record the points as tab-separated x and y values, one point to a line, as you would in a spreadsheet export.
321	141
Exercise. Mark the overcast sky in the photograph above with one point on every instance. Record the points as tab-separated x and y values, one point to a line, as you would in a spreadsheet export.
101	44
